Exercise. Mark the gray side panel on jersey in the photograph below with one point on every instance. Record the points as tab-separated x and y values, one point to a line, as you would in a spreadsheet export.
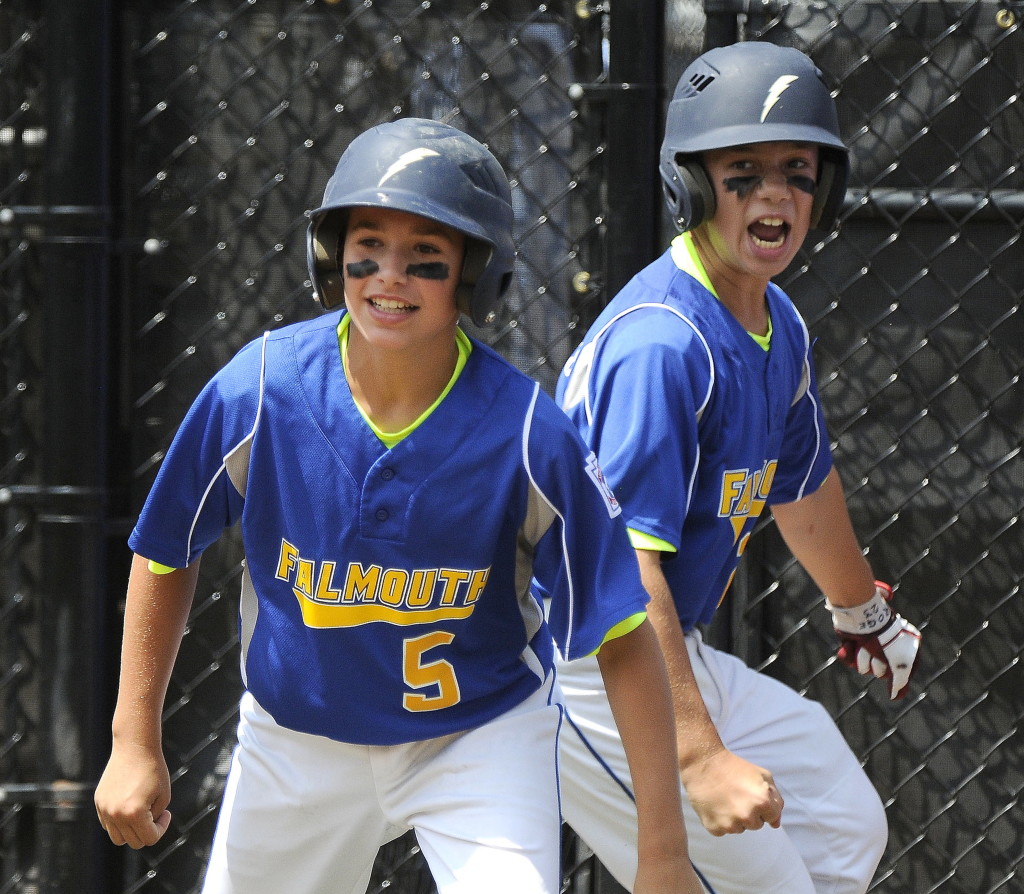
805	382
248	609
237	465
579	377
237	461
539	517
805	373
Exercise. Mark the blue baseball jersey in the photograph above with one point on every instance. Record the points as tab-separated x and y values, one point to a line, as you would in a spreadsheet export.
695	425
386	592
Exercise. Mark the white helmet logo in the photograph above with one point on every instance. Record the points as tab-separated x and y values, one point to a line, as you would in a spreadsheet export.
775	92
406	159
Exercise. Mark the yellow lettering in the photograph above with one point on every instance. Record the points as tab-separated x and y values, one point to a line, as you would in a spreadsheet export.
737	522
421	588
392	586
374	594
304	577
438	675
323	617
732	484
767	477
324	591
477	582
287	560
742	506
359	584
743	544
451	578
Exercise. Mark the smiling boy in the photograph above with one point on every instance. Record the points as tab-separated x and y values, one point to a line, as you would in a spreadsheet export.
396	483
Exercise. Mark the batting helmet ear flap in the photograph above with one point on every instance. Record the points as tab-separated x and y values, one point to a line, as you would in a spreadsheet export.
483	284
828	196
323	257
700	191
689	193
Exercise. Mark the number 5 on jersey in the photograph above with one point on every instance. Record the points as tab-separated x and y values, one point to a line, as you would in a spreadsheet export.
420	673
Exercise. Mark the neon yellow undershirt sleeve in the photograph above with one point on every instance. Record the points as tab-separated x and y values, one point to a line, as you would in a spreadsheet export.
627	625
640	540
157	568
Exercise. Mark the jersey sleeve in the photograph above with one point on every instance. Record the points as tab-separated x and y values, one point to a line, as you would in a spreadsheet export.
649	385
193	499
584	563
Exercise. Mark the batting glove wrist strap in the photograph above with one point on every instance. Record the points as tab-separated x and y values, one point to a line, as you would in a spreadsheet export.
876	641
869	617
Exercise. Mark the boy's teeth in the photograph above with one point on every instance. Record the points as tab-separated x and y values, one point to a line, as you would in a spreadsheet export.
771	221
386	304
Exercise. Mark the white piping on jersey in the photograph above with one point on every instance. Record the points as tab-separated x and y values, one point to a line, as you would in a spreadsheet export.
817	446
527	425
802	389
805	373
685	319
244	443
591	348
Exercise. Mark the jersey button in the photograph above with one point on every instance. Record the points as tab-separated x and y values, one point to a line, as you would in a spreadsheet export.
387	474
382	515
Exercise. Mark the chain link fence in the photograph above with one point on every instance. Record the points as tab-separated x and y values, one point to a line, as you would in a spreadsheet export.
203	133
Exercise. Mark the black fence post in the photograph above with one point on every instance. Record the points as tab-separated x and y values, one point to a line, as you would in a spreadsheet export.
634	138
722	27
76	249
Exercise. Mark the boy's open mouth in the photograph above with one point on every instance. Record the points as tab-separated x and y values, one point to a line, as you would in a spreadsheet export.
769	232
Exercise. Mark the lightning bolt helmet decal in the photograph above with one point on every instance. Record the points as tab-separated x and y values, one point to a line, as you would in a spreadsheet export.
775	93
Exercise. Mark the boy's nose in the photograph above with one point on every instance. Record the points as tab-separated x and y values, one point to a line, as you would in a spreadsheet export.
774	183
393	266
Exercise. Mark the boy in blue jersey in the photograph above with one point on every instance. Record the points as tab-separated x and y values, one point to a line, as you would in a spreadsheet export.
397	485
695	388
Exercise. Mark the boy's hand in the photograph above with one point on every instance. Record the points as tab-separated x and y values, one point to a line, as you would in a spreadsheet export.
732	795
132	797
874	640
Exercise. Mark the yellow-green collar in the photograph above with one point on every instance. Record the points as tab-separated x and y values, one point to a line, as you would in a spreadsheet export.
391	438
685	257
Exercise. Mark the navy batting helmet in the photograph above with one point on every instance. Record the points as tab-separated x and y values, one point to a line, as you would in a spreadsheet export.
434	170
746	93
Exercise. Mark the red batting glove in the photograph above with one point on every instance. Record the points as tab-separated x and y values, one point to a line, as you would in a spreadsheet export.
874	640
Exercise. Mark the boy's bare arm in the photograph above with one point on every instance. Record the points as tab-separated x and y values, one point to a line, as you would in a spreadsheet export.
134	791
638	693
729	793
819	533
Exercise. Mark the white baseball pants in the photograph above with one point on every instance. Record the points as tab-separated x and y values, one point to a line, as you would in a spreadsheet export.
306	814
833	824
